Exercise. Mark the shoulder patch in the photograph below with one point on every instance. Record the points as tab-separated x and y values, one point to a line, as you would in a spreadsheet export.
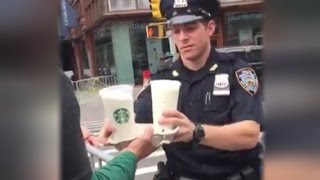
248	80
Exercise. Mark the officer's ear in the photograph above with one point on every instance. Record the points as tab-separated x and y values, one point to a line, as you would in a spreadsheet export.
211	27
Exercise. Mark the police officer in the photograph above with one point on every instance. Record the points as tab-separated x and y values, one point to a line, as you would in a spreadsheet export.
219	108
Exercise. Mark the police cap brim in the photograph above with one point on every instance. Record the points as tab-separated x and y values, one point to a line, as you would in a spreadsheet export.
183	19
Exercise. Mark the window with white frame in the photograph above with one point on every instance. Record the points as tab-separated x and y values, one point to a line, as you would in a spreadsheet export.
143	4
242	28
120	5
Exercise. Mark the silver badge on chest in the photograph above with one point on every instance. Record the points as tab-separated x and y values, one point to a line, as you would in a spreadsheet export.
180	4
221	86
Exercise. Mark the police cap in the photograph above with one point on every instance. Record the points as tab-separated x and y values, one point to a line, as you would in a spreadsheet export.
184	11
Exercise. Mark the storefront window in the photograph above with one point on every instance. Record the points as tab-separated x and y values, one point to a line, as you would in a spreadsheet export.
242	28
104	51
138	49
86	65
85	58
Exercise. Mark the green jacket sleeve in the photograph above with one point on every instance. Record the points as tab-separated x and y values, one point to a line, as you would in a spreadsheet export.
122	167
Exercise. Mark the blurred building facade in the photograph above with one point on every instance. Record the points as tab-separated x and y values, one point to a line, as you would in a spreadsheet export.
108	36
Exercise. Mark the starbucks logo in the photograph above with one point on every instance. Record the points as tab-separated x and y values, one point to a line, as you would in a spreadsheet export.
121	116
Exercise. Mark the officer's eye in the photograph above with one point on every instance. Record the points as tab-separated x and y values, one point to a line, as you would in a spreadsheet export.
175	31
191	29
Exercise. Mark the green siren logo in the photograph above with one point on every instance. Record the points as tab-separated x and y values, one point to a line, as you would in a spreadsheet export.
121	116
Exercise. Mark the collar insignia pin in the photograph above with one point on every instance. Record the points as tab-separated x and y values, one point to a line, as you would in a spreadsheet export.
175	73
214	67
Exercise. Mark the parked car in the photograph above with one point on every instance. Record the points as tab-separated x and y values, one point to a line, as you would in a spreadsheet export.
251	54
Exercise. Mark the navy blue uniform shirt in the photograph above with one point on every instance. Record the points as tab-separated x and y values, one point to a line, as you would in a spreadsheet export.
198	102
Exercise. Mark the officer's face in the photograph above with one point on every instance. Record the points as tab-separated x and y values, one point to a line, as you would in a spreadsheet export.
192	39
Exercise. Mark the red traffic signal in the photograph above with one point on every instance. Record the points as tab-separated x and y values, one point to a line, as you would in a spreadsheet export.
157	31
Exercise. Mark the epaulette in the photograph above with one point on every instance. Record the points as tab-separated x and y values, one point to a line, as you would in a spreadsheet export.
229	57
228	60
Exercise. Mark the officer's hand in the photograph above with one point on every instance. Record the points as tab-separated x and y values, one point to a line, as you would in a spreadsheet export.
176	118
142	146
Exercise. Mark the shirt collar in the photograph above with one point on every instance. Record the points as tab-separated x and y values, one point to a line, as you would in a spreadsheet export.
179	70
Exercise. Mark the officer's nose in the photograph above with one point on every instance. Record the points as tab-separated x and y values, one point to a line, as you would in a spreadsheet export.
183	36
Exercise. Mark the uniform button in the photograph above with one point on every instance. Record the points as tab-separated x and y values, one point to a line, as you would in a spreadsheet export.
190	104
203	165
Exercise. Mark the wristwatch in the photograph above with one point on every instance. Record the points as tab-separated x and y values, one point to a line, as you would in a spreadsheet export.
198	133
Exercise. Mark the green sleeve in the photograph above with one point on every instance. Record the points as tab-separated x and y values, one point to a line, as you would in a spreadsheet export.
122	167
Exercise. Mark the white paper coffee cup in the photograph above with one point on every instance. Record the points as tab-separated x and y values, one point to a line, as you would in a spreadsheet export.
118	106
165	94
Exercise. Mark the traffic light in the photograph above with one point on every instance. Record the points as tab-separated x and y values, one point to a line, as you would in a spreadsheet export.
156	30
155	9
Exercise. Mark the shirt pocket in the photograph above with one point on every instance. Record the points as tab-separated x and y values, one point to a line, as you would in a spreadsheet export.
217	112
217	104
